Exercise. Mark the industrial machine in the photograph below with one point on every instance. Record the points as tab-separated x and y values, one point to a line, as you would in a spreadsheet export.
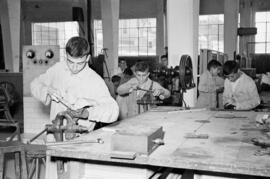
178	79
37	59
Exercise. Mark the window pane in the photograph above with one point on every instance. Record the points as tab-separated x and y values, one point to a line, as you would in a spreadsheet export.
221	29
213	29
203	19
261	27
268	16
143	50
203	29
152	22
260	16
213	19
133	50
213	42
133	23
134	33
268	31
142	41
221	46
221	19
124	50
143	23
211	32
260	48
267	47
260	37
54	33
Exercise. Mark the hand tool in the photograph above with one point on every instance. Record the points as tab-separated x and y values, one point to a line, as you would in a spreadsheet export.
98	140
139	88
196	136
63	101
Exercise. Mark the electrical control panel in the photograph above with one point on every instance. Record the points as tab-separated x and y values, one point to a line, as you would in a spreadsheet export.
36	60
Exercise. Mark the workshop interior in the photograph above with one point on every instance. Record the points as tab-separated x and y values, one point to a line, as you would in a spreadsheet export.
187	83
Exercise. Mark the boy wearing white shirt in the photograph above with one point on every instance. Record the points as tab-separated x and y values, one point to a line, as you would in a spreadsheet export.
240	91
72	80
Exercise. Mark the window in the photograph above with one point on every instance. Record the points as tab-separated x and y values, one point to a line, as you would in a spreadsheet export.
211	34
262	39
54	33
98	36
137	37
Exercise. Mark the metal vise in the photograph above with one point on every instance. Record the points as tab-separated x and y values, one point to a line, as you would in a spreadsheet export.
58	128
70	128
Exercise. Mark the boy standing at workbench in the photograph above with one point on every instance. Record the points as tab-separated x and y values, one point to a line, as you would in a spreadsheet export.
210	86
136	88
78	85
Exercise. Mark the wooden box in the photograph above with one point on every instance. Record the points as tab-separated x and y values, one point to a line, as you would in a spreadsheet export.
139	140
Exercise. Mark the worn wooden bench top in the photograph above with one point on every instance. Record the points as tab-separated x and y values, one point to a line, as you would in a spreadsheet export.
227	149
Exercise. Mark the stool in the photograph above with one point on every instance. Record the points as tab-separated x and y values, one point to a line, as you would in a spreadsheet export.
36	155
20	161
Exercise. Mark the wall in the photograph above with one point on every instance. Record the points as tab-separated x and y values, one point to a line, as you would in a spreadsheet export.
130	9
262	5
49	11
217	6
211	7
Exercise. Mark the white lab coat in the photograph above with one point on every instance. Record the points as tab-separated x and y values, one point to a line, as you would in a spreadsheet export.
87	85
207	90
245	95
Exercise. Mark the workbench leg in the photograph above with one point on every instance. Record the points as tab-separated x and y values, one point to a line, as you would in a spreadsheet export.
2	165
31	168
51	169
17	165
37	168
75	169
188	174
24	168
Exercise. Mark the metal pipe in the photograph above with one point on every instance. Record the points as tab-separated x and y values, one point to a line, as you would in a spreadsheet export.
35	137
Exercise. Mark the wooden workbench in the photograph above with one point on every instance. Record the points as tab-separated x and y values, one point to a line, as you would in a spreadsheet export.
227	150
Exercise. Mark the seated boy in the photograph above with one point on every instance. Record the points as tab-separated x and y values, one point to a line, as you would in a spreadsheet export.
210	85
240	91
134	90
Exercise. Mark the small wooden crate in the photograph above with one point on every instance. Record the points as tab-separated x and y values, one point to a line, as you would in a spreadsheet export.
138	140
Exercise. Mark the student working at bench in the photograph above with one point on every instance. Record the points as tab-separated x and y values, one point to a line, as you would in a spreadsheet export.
240	91
210	86
135	89
72	80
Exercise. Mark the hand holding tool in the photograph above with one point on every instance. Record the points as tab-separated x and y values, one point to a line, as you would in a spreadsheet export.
139	88
60	99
